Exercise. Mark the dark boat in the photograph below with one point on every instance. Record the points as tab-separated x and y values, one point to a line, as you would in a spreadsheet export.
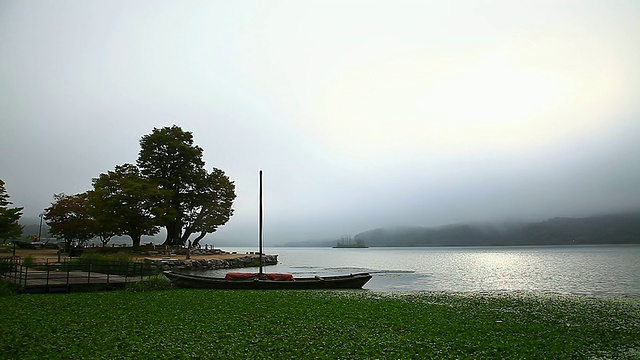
266	281
352	281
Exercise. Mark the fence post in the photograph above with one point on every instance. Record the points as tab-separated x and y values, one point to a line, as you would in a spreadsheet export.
68	271
18	272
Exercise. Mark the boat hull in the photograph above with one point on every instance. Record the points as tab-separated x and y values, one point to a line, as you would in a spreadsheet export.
352	281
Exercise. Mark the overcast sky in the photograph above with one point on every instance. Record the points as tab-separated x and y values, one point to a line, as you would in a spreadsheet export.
362	114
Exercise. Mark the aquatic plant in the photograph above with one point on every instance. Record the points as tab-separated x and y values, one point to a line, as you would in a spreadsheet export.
319	324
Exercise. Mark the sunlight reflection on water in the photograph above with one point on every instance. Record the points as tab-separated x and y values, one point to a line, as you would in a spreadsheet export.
578	270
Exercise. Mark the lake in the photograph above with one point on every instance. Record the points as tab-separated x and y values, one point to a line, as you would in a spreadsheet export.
593	270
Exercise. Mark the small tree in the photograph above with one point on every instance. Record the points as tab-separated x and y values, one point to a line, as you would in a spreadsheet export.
69	219
10	227
125	203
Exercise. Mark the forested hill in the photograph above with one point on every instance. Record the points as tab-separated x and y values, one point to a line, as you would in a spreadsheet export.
607	229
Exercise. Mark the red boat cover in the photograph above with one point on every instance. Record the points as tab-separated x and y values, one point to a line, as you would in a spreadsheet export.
240	276
249	276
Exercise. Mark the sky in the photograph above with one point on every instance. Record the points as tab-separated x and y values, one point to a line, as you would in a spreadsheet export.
362	114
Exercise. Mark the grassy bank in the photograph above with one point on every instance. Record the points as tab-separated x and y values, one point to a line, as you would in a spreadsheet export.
312	324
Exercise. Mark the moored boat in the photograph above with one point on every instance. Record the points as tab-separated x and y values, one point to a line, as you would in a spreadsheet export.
269	281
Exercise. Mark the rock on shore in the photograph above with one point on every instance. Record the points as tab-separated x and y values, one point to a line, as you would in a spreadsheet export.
211	264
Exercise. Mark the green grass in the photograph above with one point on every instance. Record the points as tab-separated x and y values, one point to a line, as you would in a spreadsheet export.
209	324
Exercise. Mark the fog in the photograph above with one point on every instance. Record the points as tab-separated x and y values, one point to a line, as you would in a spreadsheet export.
361	114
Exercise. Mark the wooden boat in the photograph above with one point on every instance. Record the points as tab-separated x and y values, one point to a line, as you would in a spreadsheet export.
351	281
265	281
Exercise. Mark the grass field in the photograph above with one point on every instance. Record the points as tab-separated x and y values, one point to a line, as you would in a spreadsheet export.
185	324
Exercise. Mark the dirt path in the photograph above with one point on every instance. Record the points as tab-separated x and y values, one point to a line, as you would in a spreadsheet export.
40	255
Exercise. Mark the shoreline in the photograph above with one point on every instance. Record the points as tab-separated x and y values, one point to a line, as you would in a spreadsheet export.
50	255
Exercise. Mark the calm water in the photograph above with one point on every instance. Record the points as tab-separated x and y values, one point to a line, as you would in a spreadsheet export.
593	270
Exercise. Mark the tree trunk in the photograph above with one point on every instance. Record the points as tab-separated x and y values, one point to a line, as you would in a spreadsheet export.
173	234
67	245
174	228
196	241
136	239
191	228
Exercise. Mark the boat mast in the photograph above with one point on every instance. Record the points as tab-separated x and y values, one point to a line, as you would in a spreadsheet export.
261	233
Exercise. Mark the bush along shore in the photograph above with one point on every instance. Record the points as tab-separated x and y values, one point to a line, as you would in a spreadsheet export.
209	324
211	264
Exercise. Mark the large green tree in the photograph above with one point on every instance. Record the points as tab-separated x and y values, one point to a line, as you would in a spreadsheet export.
69	219
10	227
169	157
126	203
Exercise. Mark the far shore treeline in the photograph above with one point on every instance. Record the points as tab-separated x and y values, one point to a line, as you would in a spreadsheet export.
607	229
168	187
623	228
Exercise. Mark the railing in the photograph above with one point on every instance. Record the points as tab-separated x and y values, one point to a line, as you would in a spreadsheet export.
73	272
10	269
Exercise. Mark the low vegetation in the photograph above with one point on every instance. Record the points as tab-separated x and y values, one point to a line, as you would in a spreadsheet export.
95	258
152	283
28	260
7	288
317	324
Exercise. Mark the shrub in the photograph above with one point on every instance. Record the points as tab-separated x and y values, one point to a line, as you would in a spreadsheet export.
28	260
121	264
95	258
7	288
104	250
157	282
6	266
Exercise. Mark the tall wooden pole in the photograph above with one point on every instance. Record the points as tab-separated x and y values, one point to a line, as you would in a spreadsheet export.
261	234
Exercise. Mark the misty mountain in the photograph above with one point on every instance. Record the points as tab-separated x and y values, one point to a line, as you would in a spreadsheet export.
604	229
32	227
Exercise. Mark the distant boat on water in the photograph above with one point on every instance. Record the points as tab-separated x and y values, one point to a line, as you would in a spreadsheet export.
349	242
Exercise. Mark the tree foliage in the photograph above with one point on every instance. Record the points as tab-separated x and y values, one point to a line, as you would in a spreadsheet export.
126	203
69	219
10	227
168	188
209	206
200	201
